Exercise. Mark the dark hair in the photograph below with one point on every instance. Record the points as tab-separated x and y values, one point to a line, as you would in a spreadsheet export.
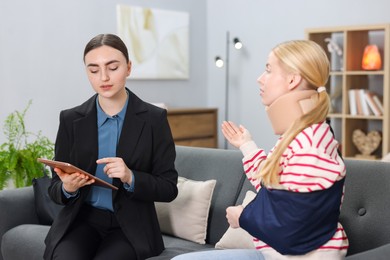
107	40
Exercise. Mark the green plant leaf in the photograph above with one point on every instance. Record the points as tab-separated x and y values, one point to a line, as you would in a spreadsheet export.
18	155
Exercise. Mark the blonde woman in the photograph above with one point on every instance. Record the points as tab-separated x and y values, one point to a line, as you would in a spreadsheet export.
300	182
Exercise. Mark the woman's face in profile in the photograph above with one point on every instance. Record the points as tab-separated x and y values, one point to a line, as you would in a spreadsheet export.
274	81
107	70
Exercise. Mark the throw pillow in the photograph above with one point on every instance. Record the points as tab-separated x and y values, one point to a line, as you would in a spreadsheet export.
386	158
238	237
46	209
187	216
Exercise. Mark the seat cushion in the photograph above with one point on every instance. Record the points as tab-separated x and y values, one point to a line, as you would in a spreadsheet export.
24	242
379	253
176	246
27	242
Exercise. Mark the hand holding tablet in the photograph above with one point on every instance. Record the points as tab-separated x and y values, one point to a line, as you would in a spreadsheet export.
69	168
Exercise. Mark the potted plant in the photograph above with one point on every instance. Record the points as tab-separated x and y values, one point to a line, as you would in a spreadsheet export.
19	153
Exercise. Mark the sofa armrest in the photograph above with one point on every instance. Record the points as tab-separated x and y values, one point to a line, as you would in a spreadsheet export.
17	207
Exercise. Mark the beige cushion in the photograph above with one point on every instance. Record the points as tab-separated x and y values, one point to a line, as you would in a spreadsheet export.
186	217
386	158
237	237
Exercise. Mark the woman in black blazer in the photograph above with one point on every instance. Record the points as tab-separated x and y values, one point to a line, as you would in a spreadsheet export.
123	140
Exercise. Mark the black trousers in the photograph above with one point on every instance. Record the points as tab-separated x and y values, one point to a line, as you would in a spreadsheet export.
96	235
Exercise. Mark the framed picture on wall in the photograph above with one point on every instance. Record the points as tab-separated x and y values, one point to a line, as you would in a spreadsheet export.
157	40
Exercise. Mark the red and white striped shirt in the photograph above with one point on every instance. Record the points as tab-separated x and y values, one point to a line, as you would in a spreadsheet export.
310	163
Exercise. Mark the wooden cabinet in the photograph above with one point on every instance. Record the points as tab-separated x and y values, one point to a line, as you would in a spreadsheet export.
347	76
194	127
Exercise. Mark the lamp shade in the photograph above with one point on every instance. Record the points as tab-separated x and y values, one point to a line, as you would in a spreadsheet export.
237	43
219	62
371	58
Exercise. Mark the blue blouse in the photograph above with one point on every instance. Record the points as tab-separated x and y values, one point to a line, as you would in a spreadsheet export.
109	131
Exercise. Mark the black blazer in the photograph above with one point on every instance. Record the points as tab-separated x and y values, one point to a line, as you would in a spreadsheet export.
146	145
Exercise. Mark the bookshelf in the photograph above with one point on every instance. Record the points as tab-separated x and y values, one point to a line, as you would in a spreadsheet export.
347	76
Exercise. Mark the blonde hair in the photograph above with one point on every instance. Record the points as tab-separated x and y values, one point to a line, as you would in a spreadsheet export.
309	60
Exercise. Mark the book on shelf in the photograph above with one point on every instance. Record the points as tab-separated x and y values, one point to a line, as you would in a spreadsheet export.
364	102
372	104
378	102
362	95
359	103
352	102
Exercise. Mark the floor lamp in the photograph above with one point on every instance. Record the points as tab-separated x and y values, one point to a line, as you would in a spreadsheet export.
220	63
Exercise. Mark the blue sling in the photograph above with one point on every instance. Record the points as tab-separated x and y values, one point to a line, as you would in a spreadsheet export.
293	223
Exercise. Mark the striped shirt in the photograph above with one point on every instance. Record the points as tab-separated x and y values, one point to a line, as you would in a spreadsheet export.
310	163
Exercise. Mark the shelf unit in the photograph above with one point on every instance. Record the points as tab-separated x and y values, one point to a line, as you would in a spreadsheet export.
346	74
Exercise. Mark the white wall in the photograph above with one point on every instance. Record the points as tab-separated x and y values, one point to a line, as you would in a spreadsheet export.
261	25
41	48
42	43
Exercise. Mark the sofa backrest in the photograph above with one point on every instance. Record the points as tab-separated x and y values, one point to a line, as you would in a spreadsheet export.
365	213
225	166
245	187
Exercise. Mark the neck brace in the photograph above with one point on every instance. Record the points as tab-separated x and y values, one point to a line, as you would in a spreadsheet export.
289	107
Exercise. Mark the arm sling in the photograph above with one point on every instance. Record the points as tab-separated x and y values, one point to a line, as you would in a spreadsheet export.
293	223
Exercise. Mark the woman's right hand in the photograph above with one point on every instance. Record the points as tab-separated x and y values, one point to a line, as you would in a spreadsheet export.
236	135
73	181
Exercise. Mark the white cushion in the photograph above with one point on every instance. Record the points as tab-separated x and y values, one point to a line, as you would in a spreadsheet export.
386	158
238	237
187	216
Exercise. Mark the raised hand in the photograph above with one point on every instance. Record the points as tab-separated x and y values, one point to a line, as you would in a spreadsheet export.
236	135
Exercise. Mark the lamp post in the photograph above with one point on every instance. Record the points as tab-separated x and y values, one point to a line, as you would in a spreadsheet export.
219	62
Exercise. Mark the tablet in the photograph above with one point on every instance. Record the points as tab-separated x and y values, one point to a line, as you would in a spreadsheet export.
69	168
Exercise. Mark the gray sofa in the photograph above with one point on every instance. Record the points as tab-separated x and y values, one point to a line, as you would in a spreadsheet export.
365	212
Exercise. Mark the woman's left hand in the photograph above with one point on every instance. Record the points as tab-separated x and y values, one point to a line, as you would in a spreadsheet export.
233	215
116	168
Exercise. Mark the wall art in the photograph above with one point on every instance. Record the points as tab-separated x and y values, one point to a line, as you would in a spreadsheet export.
157	41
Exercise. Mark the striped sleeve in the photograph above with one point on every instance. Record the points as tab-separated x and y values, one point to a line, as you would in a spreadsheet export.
253	157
